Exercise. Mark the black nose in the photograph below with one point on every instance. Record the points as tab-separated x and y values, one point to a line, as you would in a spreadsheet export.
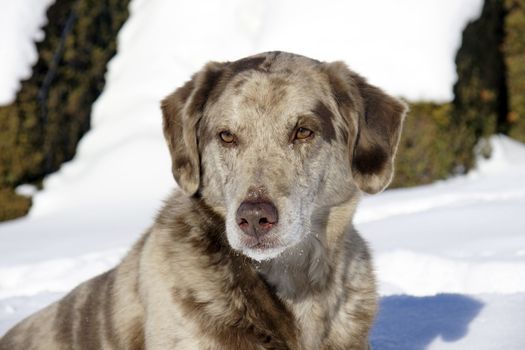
256	218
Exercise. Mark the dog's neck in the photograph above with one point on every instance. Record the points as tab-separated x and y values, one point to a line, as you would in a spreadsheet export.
308	267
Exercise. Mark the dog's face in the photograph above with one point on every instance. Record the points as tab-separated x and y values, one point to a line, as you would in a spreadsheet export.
271	140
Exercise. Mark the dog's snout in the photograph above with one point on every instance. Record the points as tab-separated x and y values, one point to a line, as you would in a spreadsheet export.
256	218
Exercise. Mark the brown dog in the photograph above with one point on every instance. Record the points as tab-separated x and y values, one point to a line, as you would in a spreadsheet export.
258	250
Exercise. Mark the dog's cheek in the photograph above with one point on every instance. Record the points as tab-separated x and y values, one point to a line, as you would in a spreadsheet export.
315	166
214	176
325	176
338	184
235	180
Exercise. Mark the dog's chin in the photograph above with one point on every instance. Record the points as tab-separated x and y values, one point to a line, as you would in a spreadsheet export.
263	253
264	248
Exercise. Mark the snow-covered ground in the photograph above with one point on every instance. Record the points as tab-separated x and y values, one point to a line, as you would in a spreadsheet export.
450	257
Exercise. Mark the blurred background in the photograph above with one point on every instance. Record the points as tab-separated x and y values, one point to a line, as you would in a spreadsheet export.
459	63
84	168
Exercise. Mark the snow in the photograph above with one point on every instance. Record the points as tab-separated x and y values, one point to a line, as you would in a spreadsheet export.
20	26
405	46
450	322
450	257
468	230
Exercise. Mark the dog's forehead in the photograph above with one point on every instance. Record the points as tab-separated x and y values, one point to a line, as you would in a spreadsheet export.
270	93
273	62
285	89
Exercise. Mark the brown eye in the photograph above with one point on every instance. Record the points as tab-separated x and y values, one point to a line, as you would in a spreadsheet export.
303	134
227	137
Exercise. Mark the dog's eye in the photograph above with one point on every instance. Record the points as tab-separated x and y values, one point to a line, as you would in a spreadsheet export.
227	137
303	134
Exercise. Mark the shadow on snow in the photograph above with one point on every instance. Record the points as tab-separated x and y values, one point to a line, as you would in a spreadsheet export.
412	323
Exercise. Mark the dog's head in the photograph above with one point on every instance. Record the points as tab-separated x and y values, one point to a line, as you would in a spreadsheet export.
270	139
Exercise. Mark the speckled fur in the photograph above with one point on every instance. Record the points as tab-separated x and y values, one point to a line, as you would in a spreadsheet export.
192	282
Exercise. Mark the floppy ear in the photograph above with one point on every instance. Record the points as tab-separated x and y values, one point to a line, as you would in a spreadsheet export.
379	122
181	113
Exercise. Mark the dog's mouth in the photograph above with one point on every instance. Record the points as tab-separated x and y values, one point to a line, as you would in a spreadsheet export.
267	241
261	248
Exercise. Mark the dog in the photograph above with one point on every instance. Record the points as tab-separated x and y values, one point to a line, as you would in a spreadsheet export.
257	249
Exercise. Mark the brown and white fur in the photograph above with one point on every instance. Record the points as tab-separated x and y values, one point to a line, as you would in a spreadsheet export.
199	279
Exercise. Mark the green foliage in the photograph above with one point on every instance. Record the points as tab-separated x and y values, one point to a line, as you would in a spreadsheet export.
514	50
41	129
489	97
480	94
12	205
425	151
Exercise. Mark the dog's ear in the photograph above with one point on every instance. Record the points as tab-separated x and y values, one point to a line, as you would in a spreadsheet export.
379	122
181	113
